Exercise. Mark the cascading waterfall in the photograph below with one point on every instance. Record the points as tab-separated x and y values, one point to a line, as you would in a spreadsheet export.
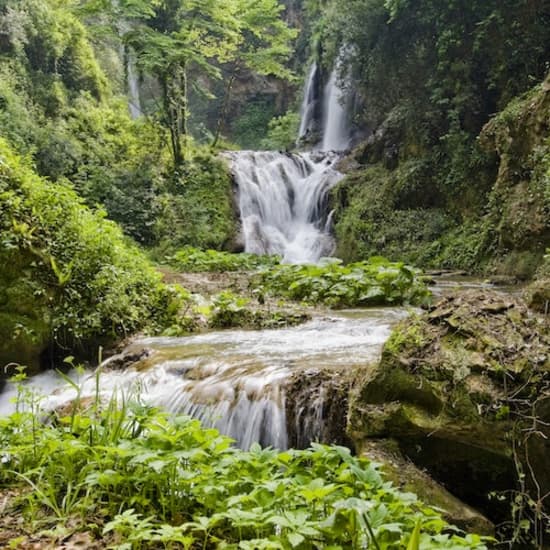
336	107
128	56
283	197
236	381
283	201
308	112
336	134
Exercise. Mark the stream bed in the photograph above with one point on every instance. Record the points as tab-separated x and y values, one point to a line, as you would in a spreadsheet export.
234	380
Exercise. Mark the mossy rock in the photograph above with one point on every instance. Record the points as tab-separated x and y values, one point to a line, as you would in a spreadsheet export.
404	474
538	296
24	321
519	203
456	387
316	407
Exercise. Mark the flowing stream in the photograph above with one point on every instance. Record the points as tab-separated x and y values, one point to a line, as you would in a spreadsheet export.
239	381
234	380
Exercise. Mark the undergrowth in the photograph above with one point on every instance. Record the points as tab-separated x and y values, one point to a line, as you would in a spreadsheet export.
373	282
135	478
190	259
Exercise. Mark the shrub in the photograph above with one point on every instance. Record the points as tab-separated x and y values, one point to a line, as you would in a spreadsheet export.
196	206
143	479
374	282
89	283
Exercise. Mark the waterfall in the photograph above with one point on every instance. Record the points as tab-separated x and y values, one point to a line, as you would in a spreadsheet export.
133	85
251	385
128	57
308	112
336	132
283	200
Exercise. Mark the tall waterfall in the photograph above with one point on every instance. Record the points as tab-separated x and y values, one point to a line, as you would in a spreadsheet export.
283	201
336	133
308	112
133	85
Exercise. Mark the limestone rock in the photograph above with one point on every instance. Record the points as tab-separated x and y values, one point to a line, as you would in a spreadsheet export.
456	388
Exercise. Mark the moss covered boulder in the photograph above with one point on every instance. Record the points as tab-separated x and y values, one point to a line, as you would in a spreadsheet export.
464	390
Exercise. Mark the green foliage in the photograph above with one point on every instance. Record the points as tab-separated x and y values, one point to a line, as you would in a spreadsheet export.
252	124
175	40
282	132
56	105
229	310
430	75
196	206
110	159
264	48
379	211
463	247
89	284
192	259
374	282
48	38
140	479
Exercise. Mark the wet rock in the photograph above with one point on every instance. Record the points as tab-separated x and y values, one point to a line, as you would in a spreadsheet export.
127	359
316	408
538	296
404	474
503	280
464	389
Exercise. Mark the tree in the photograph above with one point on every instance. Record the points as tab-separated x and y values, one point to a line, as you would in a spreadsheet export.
169	38
264	47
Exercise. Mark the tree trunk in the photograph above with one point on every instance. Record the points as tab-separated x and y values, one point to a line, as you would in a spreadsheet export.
171	119
225	107
174	87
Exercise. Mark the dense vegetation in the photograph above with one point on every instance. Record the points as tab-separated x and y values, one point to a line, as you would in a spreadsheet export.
69	278
138	479
427	77
191	259
374	282
451	169
62	101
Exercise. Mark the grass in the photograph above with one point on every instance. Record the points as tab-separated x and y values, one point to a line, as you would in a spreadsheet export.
132	477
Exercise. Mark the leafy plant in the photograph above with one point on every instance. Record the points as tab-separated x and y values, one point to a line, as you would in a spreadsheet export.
283	131
196	260
374	282
229	310
141	478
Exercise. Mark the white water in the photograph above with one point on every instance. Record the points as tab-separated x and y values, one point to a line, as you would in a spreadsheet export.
133	85
283	203
336	133
235	380
307	112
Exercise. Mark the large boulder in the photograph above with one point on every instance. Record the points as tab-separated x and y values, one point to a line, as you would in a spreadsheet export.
464	390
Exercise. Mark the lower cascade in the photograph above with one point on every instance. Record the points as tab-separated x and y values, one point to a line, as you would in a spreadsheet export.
254	386
283	200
